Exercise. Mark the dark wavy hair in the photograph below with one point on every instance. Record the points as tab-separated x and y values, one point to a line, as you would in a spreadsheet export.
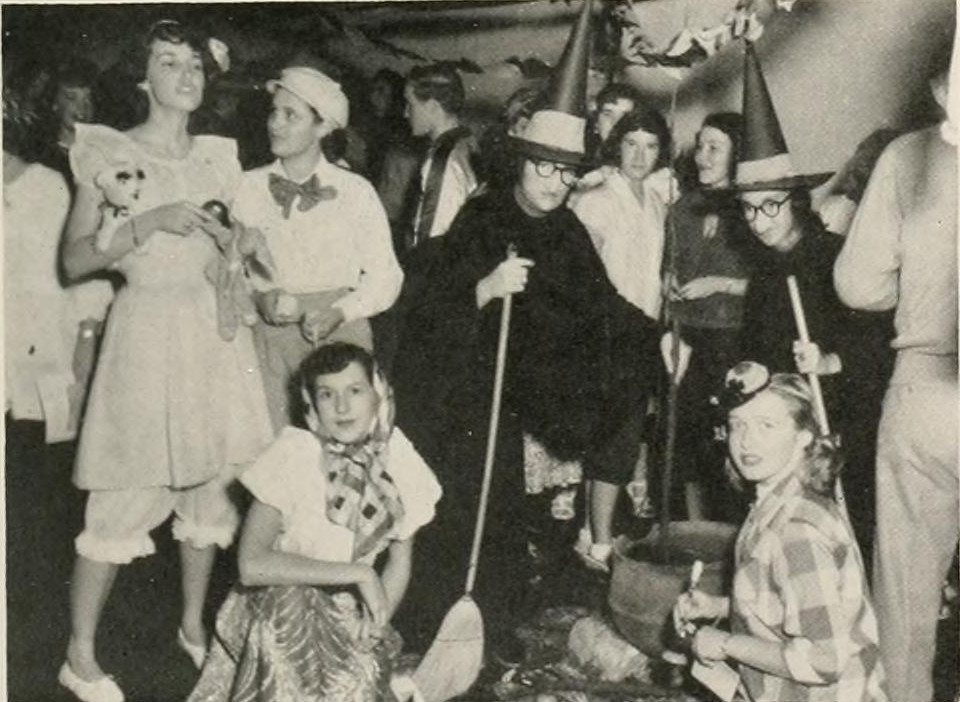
647	119
133	67
333	358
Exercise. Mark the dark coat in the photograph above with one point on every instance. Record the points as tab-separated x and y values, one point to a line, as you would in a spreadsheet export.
574	345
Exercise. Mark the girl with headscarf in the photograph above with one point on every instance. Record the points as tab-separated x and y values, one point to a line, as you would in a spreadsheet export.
311	616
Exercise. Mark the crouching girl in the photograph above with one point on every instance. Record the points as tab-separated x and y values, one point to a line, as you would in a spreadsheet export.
801	623
310	619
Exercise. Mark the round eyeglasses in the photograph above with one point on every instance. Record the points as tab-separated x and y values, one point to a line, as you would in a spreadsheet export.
568	175
770	208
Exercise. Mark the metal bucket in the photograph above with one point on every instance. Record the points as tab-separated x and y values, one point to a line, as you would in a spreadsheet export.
643	590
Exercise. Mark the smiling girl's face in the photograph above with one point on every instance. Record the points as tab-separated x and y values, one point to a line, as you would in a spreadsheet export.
764	440
175	76
346	403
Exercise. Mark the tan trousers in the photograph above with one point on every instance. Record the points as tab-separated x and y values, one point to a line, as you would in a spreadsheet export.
918	524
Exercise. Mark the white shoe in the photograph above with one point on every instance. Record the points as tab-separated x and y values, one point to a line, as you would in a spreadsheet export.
101	690
197	653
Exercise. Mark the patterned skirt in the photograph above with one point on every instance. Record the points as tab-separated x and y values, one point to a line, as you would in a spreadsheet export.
294	644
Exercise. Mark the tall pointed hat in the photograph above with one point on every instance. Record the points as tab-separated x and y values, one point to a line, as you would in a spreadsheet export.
556	133
764	162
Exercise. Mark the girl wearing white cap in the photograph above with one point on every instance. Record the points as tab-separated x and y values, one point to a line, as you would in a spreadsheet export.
174	408
327	232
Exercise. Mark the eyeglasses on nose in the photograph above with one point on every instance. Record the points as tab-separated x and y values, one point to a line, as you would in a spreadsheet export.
545	169
771	208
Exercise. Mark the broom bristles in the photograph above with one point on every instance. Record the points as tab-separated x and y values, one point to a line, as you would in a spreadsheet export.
453	661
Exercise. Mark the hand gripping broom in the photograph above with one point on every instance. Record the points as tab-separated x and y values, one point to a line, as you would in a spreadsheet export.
452	663
819	407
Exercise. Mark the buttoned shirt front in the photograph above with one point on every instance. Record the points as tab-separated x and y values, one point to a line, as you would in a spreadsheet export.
341	242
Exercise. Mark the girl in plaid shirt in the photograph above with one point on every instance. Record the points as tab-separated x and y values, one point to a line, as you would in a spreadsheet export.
802	626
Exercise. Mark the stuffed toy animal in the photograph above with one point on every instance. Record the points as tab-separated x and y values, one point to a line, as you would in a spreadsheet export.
239	247
121	185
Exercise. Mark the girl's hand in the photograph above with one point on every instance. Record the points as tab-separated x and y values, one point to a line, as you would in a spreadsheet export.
699	288
317	325
375	598
667	342
508	278
709	644
694	605
181	218
811	360
274	311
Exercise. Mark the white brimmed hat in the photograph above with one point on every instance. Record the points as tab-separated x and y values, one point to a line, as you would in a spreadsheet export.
316	89
557	132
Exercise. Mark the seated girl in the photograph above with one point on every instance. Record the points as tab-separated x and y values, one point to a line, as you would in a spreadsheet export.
310	619
801	623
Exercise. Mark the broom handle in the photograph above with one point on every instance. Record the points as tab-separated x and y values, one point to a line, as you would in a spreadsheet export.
814	380
491	434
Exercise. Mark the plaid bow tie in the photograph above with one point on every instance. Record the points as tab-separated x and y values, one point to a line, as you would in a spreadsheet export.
284	191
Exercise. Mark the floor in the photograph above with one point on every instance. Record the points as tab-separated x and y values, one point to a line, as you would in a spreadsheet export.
137	640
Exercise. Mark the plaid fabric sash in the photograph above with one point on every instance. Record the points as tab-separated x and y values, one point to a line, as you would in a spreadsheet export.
361	495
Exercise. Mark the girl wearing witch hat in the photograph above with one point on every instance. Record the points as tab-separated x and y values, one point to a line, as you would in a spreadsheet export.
776	204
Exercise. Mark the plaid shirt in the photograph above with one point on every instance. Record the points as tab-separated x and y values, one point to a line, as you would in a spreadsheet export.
800	581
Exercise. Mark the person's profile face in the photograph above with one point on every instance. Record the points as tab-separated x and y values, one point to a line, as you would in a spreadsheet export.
74	104
417	112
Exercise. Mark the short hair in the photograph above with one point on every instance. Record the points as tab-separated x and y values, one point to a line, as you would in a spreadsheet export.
731	124
647	119
333	358
439	82
612	92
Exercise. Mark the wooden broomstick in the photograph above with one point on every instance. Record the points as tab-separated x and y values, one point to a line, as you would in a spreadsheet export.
453	661
819	407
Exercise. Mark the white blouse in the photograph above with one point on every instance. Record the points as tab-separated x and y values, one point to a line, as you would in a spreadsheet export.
628	236
290	476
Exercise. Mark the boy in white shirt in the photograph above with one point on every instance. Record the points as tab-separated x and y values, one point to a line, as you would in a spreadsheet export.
326	230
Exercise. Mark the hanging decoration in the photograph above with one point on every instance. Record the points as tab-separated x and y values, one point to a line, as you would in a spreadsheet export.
690	46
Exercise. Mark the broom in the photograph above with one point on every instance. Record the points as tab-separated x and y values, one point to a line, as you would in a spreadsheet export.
453	661
819	407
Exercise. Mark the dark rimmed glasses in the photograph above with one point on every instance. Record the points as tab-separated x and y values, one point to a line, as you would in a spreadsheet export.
770	208
568	174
